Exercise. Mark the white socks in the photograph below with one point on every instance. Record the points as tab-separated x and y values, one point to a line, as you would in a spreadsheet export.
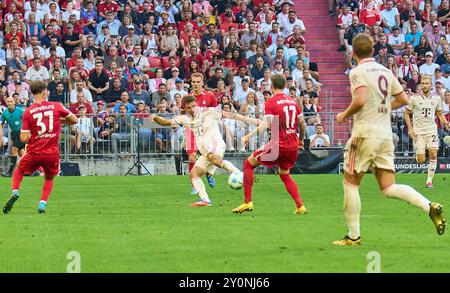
431	170
200	187
408	194
227	165
352	209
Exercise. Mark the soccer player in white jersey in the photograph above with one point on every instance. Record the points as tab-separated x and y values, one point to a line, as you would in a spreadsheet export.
370	145
204	122
425	108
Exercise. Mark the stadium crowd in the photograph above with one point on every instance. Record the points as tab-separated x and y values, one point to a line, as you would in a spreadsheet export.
112	60
411	39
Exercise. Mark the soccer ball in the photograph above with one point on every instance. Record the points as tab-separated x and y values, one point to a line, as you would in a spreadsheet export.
235	180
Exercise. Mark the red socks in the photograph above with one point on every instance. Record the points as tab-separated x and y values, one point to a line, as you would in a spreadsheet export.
17	178
47	189
248	180
292	188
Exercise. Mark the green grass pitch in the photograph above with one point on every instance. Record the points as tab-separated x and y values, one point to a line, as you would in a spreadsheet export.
146	224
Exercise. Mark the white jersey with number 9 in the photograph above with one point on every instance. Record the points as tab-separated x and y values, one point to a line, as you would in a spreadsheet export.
374	119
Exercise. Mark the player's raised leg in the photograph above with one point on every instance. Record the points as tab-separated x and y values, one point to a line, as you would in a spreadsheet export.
249	166
386	181
431	167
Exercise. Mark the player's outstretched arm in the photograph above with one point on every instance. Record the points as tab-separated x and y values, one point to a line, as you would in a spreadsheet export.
162	121
263	125
71	119
359	100
240	117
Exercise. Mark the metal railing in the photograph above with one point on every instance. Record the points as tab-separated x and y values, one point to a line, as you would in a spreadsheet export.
126	136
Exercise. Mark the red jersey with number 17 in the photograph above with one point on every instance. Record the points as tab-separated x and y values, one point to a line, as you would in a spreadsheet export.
285	112
206	99
43	121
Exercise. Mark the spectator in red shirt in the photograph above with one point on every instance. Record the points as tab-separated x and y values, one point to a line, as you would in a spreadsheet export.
14	33
187	19
7	5
77	27
229	22
194	55
73	60
261	17
370	14
81	101
105	6
84	74
257	4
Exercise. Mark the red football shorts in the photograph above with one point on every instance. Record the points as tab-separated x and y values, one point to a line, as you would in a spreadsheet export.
285	159
191	147
29	163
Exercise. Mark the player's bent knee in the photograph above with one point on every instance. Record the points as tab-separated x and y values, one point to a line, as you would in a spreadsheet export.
420	159
433	154
252	160
386	190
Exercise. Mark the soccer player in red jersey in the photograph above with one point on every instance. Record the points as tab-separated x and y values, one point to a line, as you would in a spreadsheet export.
41	126
283	115
205	99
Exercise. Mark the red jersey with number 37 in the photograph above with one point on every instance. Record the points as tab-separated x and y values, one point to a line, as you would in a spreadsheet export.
43	120
285	112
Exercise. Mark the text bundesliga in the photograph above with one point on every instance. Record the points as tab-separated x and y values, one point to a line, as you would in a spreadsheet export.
250	283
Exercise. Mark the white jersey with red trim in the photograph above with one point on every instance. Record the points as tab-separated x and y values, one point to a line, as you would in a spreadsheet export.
205	126
424	113
345	20
374	118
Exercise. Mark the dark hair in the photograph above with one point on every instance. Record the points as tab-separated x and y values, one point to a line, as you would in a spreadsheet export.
278	81
38	87
188	99
227	104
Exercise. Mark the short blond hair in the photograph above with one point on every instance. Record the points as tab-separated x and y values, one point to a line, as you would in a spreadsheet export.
362	45
427	76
